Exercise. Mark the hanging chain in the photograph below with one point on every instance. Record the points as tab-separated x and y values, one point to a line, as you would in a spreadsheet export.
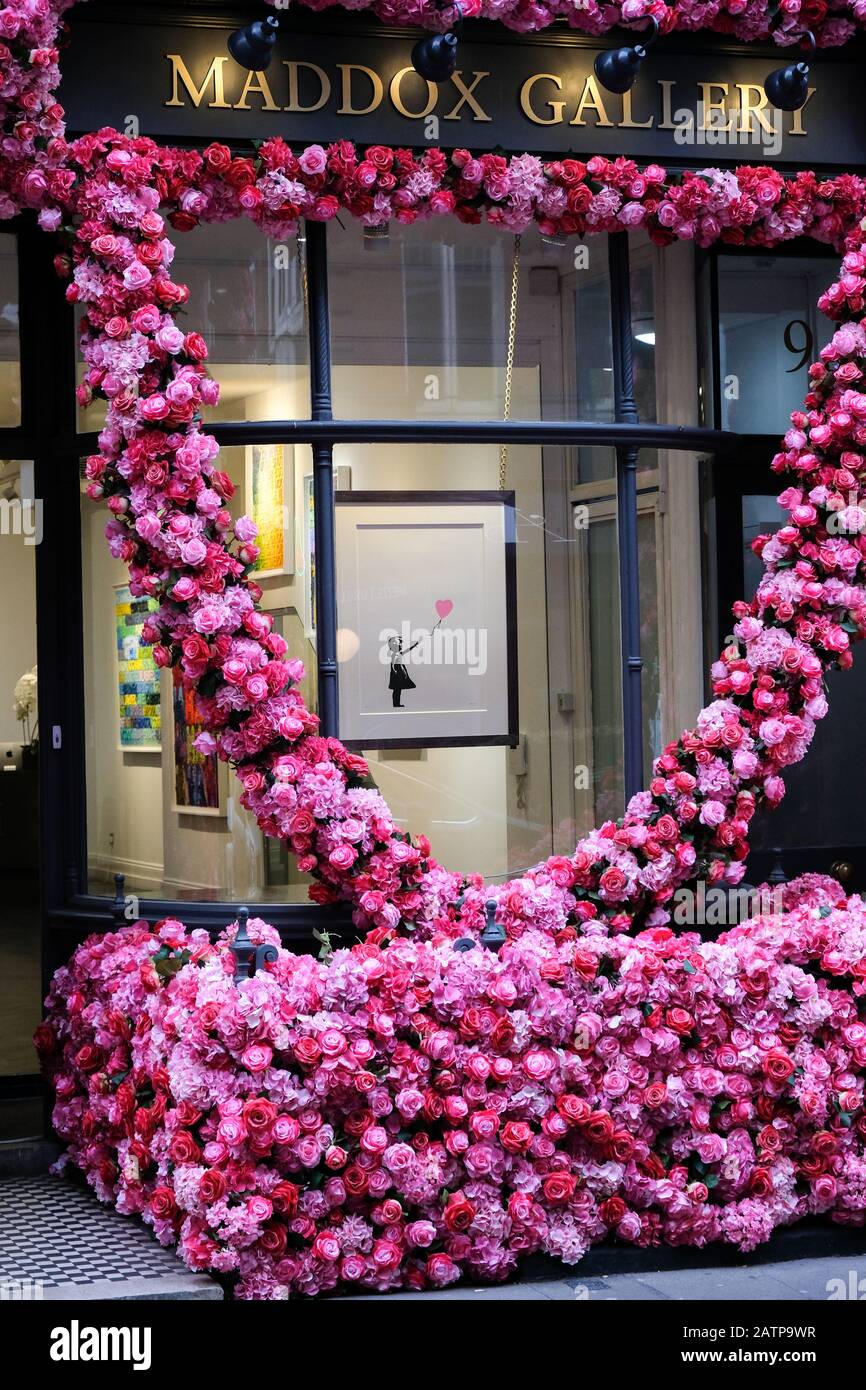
509	360
302	257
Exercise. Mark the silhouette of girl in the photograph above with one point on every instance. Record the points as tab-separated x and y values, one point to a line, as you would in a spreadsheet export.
399	679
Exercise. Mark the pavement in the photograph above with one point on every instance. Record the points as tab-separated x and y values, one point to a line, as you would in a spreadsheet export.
798	1281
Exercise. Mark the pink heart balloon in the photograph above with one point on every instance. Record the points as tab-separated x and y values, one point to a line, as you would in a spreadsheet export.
443	607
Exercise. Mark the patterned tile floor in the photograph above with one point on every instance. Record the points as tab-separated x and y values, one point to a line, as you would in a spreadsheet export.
58	1234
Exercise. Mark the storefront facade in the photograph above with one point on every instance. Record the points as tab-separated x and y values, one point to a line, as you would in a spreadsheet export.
598	415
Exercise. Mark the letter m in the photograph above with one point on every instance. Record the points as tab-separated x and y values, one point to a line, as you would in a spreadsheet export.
213	77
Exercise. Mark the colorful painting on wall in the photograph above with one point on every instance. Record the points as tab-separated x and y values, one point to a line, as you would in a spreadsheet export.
198	780
270	502
139	704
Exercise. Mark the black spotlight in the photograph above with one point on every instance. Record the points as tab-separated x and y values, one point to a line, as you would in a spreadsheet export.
435	57
253	46
617	68
788	88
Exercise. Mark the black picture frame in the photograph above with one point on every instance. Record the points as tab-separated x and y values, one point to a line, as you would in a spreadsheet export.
505	499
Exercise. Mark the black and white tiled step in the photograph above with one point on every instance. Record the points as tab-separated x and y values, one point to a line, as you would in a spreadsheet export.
58	1242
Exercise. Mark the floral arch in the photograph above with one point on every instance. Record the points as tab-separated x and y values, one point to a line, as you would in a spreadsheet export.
111	199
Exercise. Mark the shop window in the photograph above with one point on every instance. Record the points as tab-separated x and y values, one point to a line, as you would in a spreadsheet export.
167	819
769	333
20	951
247	298
10	368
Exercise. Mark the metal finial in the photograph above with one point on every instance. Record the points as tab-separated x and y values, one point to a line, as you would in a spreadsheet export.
118	907
493	935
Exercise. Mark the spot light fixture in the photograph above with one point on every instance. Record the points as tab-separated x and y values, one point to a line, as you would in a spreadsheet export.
788	88
253	46
617	68
435	56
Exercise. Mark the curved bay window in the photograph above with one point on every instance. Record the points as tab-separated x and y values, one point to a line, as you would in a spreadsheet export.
470	521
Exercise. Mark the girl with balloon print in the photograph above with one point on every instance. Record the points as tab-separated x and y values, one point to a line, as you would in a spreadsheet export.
399	678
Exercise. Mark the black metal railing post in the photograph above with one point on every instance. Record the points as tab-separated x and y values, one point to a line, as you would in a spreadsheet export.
118	907
627	515
323	478
249	958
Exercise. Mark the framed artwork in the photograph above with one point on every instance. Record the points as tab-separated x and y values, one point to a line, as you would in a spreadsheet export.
270	503
138	677
309	538
426	599
199	779
306	566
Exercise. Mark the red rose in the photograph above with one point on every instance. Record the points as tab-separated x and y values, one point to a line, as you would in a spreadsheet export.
612	1211
285	1198
559	1187
680	1021
217	158
621	1146
778	1065
355	1180
273	1239
502	1036
760	1183
599	1127
163	1205
572	1108
88	1058
612	883
307	1051
212	1186
183	1148
459	1213
195	346
516	1136
259	1116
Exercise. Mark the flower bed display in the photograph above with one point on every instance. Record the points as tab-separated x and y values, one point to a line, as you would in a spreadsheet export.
405	1112
400	1117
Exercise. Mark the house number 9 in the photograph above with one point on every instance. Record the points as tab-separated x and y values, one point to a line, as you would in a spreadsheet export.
805	348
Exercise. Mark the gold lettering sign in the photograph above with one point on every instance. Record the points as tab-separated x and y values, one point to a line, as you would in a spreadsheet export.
717	111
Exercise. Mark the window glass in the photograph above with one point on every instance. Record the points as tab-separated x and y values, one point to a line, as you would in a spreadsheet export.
770	332
10	352
20	953
247	299
410	569
420	324
157	812
602	651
